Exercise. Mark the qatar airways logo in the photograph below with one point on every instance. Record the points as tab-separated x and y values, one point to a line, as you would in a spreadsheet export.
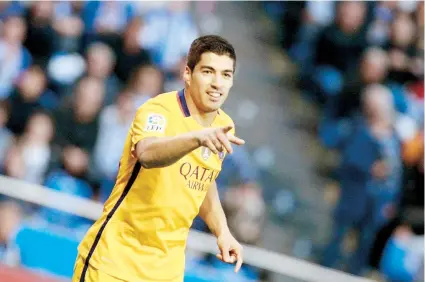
197	177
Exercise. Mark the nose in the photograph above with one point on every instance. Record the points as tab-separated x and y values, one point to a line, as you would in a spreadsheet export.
217	81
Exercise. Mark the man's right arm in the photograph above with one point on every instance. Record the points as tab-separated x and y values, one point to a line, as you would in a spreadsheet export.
155	146
154	152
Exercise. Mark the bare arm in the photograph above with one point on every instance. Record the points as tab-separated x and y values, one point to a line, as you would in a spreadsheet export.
156	152
212	212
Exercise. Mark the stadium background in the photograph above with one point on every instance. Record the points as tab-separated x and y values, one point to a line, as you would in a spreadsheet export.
72	74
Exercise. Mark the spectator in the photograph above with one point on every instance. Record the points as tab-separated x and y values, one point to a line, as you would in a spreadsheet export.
373	69
246	212
115	120
340	45
403	258
400	262
315	17
291	21
70	179
337	51
6	137
415	99
412	205
10	8
379	30
100	64
34	147
370	181
167	34
14	164
413	150
105	20
64	70
176	82
130	52
79	126
238	186
146	82
401	49
10	220
68	24
27	98
14	57
242	196
238	169
41	39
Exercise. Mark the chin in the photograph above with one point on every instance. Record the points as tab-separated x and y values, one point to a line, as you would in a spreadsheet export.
211	107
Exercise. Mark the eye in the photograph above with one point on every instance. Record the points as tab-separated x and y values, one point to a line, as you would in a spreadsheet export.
207	72
227	75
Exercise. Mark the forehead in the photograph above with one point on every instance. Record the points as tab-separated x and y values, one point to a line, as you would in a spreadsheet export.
218	62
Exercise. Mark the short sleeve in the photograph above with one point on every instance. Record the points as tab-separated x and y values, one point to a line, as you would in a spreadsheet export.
151	120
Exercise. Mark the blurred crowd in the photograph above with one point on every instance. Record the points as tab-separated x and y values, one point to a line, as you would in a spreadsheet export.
361	63
73	74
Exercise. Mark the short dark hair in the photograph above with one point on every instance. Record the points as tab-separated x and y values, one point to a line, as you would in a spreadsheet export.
209	43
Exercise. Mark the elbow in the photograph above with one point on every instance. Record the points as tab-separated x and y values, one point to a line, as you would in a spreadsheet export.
142	156
146	164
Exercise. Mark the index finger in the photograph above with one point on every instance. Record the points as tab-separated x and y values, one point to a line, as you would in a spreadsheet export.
239	262
235	140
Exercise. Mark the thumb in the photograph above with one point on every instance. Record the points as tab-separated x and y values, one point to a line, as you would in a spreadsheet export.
227	128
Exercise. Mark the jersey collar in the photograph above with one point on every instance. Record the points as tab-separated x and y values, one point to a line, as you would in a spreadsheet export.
182	103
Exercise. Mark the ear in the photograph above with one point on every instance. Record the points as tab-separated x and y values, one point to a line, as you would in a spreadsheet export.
187	75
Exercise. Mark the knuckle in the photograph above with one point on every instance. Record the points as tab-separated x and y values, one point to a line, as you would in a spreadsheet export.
220	134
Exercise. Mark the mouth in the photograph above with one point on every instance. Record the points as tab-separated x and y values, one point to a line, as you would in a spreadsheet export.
214	95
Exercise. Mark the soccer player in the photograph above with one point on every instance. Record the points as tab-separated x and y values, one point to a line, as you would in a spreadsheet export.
172	156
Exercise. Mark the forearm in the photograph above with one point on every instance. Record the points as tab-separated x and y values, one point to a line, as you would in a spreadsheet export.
164	151
212	212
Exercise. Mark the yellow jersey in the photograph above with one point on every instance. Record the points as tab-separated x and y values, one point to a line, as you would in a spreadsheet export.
142	233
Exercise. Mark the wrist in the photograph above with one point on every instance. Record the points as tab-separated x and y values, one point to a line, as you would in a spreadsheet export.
222	231
195	138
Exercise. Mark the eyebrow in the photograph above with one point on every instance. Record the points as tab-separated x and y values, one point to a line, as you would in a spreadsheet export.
211	68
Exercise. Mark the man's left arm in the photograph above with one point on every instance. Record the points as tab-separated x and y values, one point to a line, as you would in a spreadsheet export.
212	213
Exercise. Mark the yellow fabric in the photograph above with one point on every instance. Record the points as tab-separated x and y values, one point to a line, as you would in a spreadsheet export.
145	238
92	274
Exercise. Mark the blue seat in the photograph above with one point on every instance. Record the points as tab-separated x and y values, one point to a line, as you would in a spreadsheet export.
46	250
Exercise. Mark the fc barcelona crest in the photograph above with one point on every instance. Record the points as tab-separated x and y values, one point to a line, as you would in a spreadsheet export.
221	155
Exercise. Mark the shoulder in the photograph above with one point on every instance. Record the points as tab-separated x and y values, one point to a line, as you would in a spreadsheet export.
224	118
164	103
157	111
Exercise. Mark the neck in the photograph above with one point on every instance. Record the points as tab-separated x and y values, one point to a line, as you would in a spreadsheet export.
203	118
